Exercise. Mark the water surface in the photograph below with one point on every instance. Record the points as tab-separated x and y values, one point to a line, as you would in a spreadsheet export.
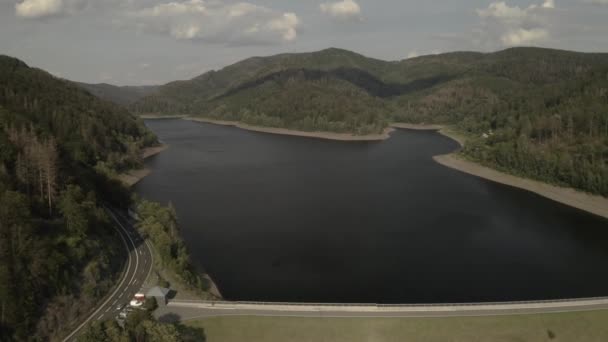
279	218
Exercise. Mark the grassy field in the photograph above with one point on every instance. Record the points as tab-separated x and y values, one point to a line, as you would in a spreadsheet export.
583	327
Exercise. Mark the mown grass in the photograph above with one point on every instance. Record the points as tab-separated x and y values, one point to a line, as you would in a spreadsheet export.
579	326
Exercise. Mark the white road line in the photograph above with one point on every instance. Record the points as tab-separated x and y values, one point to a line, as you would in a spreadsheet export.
147	243
117	288
122	281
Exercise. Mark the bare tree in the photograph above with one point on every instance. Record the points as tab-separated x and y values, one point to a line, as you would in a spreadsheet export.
49	163
36	163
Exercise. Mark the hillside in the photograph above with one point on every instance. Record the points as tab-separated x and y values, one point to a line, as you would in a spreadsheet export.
58	252
544	113
537	113
119	95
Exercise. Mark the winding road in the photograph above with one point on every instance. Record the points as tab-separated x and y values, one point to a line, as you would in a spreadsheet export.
140	262
138	267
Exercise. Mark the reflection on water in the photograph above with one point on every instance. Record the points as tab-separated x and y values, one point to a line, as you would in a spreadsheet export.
279	218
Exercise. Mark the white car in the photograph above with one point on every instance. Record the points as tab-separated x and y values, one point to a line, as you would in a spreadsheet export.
136	304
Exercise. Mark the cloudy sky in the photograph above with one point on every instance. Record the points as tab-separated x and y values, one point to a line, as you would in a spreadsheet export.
133	42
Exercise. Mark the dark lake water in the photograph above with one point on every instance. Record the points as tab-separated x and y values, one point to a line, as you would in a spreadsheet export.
278	218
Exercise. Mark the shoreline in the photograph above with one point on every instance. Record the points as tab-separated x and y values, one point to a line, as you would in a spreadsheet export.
441	129
159	117
594	204
284	131
132	177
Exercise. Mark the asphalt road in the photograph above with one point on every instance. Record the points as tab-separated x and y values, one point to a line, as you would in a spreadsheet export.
139	265
190	310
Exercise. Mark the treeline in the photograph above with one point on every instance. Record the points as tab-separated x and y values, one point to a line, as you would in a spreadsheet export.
141	326
160	225
534	112
549	123
90	130
59	253
324	104
53	266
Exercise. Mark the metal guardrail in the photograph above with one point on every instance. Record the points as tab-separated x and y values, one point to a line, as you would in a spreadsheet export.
413	305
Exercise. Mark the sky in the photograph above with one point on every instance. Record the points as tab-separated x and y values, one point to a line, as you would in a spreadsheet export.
147	42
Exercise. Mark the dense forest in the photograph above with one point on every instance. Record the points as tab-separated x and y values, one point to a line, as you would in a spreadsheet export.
534	112
125	95
141	326
159	224
58	250
537	113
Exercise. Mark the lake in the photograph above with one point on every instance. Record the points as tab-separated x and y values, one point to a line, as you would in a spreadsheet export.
282	218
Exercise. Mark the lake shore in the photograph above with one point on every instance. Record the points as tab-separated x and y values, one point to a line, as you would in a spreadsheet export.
593	204
133	177
283	131
159	117
596	205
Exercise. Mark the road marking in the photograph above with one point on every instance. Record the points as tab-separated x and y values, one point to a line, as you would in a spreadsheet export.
122	280
147	243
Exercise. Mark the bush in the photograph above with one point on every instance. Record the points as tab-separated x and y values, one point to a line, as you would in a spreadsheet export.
151	304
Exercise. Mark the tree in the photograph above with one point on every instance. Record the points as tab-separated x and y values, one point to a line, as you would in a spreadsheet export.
78	210
49	166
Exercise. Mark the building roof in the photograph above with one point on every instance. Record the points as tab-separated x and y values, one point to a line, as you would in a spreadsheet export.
158	292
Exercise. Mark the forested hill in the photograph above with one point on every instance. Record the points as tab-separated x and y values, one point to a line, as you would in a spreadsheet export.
535	112
58	251
119	95
261	89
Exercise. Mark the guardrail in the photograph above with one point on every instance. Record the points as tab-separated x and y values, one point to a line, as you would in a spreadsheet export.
413	305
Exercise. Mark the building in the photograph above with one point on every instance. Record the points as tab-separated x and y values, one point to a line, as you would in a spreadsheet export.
160	294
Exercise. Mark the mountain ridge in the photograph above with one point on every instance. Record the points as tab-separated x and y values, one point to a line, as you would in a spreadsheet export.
534	112
59	253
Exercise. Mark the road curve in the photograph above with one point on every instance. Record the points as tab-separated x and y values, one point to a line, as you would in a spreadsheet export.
139	265
189	310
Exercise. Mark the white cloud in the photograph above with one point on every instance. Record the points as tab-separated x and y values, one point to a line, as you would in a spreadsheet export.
174	9
413	54
346	9
33	9
38	8
504	25
217	22
105	76
501	11
597	2
549	4
524	37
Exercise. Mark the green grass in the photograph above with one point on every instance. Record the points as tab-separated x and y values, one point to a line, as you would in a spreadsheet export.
579	326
